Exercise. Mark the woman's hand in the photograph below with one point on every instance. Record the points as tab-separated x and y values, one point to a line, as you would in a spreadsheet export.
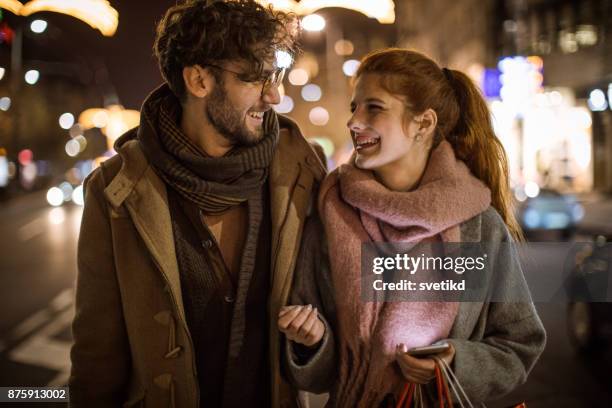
301	324
420	370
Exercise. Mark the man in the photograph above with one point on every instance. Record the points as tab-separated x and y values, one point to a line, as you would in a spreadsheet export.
190	234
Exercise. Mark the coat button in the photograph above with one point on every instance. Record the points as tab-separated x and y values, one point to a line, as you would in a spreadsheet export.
311	160
229	299
207	243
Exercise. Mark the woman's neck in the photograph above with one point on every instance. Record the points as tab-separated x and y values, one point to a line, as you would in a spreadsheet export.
404	174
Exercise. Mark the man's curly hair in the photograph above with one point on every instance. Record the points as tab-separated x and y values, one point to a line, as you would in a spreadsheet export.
209	32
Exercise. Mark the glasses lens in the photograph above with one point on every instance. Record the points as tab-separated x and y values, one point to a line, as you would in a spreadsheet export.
280	74
275	78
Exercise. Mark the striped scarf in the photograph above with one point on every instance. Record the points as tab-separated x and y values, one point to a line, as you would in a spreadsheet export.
214	184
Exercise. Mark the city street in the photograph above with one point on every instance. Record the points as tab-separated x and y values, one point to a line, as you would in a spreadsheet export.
38	270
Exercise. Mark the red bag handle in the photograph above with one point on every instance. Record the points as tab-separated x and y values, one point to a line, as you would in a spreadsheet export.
444	395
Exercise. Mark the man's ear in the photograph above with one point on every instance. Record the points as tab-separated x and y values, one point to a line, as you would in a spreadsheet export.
198	81
427	121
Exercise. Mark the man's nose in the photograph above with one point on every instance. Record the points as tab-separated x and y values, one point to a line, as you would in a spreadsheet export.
271	95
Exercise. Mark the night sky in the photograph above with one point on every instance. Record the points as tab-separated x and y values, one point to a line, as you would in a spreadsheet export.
128	55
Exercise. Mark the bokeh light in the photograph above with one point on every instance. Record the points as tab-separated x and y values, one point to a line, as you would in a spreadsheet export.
66	190
72	148
285	106
76	130
283	59
66	120
313	22
311	93
5	103
32	76
55	196
344	47
597	100
350	67
77	196
298	77
532	189
100	119
38	26
319	116
25	157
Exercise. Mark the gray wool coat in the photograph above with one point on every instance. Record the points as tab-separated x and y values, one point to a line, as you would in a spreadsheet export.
496	343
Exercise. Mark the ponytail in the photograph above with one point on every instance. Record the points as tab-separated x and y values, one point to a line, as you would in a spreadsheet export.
476	144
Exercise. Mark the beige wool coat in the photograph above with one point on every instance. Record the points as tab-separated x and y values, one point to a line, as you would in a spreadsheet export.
132	347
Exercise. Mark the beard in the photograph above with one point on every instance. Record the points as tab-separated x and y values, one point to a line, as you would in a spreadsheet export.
228	121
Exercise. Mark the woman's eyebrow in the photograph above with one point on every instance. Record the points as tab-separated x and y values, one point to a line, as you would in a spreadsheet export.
368	100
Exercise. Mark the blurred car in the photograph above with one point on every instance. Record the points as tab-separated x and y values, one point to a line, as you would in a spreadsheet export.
543	210
589	315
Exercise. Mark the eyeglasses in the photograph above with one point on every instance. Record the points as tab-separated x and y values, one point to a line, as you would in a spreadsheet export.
268	80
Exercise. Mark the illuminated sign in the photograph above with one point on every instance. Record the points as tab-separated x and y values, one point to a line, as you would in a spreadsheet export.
11	5
112	121
97	13
521	78
381	10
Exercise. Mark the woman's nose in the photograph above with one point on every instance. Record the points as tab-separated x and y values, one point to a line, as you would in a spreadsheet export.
355	123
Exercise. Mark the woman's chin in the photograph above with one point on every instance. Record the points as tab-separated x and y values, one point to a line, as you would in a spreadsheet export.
365	162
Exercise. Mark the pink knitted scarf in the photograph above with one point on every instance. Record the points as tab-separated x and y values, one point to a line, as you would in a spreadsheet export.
356	208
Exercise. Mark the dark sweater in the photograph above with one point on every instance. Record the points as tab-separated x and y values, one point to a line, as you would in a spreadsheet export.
209	293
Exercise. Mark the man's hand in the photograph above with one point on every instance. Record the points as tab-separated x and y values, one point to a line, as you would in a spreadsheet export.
420	370
301	324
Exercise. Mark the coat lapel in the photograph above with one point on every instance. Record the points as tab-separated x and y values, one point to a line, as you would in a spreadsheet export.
284	172
144	195
148	207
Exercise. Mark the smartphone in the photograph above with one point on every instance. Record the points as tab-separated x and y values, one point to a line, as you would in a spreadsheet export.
428	350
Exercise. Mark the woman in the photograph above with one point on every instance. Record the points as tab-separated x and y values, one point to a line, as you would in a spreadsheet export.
427	168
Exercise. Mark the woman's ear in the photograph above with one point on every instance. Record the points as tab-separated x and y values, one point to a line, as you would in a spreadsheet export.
198	81
427	121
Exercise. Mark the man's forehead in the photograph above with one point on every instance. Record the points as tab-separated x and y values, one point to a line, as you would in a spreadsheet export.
268	65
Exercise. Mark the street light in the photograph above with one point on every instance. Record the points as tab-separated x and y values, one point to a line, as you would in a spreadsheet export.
31	77
382	10
66	120
38	26
5	103
313	22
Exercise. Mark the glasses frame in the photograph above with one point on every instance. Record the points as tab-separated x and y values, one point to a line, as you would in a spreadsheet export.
275	78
